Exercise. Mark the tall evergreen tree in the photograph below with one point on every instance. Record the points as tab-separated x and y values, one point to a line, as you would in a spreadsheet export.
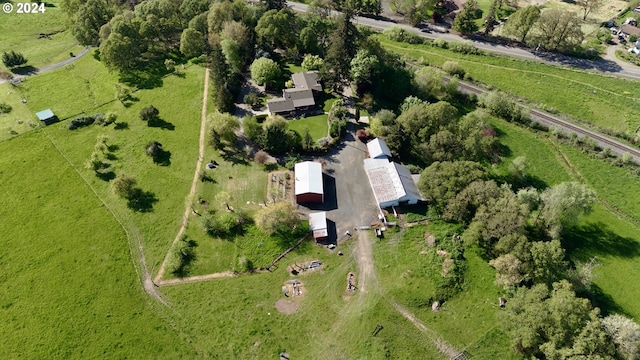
342	49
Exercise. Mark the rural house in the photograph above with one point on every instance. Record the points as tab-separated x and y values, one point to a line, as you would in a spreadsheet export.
308	183
299	98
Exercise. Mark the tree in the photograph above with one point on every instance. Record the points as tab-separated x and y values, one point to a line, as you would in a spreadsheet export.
149	113
275	137
154	149
276	29
312	62
342	48
121	52
223	129
563	204
490	19
465	20
500	217
307	139
521	22
264	71
381	122
182	254
189	9
464	205
442	181
88	20
508	270
12	59
278	217
588	6
625	334
555	324
518	167
274	4
364	70
124	186
547	261
558	30
192	43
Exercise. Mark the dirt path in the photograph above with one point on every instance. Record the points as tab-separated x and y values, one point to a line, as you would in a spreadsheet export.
187	209
220	275
363	253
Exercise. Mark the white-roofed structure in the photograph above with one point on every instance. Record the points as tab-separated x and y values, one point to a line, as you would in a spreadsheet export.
392	183
378	149
308	183
318	225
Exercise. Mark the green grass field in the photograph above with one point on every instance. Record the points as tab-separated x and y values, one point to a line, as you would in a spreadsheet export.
602	100
69	288
21	33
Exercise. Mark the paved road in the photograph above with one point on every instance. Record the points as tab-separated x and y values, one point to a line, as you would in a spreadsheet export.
51	66
603	65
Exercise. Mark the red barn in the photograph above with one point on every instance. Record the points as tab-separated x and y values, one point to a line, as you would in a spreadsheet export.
308	184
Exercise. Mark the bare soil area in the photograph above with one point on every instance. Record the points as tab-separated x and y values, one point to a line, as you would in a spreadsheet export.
287	307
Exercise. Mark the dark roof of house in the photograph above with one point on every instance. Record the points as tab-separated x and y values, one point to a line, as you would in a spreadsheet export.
299	96
630	29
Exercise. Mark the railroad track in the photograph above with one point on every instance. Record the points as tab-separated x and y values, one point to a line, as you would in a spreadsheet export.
550	120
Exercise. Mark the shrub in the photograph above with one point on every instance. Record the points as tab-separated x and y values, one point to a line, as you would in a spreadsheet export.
453	69
337	128
124	186
81	121
441	43
463	47
261	157
149	113
312	62
12	59
251	99
363	135
399	34
5	108
106	119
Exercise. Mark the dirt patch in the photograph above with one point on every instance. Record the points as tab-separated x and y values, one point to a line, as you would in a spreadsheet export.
293	288
287	307
431	240
280	186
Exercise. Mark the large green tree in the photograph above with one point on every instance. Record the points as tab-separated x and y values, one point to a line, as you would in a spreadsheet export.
555	324
442	181
277	29
89	18
336	71
465	21
521	22
192	43
265	71
563	204
223	129
557	30
588	6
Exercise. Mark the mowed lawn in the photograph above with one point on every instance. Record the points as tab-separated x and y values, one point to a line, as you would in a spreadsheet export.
22	33
68	288
602	100
317	125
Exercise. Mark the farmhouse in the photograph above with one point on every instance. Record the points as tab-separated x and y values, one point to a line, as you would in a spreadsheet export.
298	98
628	30
392	183
318	226
308	184
378	149
47	116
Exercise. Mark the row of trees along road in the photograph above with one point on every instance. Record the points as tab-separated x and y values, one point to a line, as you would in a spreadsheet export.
552	29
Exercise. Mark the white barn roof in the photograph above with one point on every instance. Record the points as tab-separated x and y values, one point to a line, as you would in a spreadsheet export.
391	182
378	149
308	178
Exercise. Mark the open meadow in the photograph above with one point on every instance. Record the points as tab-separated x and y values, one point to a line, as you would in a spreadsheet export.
43	38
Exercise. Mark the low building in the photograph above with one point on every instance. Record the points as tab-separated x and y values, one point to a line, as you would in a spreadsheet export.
629	29
392	183
318	226
308	182
47	116
378	149
299	98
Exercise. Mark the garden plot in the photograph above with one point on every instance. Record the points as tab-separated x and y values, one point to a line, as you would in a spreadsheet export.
280	186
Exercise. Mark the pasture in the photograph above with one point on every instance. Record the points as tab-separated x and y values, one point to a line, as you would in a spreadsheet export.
586	97
43	38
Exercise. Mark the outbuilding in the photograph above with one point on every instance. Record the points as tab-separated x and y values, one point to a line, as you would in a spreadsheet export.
378	149
47	116
318	226
392	183
308	183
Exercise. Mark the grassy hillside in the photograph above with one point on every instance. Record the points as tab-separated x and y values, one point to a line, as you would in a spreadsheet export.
68	286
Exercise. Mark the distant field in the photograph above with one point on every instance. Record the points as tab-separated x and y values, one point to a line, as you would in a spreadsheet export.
602	100
21	33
